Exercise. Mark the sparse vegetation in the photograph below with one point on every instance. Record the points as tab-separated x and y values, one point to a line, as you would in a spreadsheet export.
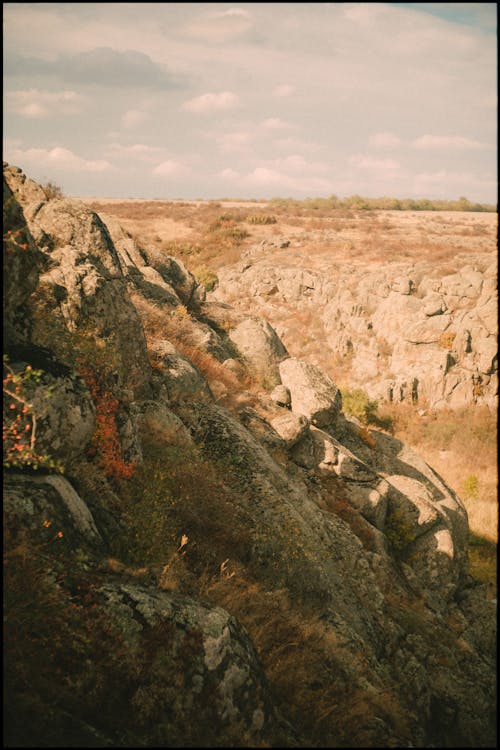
261	219
356	401
52	191
206	277
356	202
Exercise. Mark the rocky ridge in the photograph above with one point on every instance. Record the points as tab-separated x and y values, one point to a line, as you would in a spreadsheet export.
343	525
403	331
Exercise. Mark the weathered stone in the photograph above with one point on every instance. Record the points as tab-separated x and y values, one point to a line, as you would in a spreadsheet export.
312	392
291	427
281	396
220	660
21	267
183	380
84	263
260	347
49	505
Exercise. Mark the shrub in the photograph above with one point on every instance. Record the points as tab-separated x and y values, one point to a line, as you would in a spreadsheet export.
105	441
176	492
227	228
20	421
261	219
206	277
357	402
52	191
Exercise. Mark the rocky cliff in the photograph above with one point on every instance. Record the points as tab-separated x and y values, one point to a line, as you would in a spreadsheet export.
227	558
419	332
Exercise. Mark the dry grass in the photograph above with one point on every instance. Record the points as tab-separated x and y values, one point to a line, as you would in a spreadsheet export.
367	236
462	447
312	676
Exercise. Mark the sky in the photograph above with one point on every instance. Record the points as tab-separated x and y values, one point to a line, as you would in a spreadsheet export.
253	100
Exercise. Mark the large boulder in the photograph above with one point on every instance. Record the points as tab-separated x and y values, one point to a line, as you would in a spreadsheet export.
49	506
205	682
313	393
260	347
181	378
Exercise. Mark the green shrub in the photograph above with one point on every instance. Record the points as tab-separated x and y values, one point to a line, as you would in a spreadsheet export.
206	277
357	403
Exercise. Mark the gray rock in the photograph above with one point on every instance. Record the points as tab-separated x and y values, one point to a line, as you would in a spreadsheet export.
290	427
182	379
281	396
312	392
260	347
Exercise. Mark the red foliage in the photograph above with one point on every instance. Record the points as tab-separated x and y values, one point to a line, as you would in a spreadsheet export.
105	440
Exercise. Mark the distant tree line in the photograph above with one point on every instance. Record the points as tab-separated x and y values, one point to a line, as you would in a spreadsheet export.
357	202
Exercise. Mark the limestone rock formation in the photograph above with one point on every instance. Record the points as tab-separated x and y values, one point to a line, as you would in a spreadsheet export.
406	332
313	394
259	345
304	540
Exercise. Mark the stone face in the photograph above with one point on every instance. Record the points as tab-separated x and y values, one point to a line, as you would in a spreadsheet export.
222	662
291	427
86	284
21	268
260	347
183	380
33	500
281	396
370	314
156	276
312	392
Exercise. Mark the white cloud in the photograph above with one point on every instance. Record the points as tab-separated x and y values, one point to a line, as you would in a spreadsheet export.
228	174
267	177
137	151
57	157
235	141
37	104
171	168
216	27
447	141
363	14
134	117
384	140
444	183
291	143
274	123
362	161
291	173
284	89
209	102
232	12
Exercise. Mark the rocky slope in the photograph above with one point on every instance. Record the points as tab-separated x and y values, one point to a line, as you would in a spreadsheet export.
204	467
415	331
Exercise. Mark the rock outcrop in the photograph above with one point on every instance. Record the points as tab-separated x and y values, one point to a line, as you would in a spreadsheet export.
405	332
349	554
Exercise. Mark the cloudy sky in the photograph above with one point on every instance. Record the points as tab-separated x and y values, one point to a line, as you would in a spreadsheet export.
253	100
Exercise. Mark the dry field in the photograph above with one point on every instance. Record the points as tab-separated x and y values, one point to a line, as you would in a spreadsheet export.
207	235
